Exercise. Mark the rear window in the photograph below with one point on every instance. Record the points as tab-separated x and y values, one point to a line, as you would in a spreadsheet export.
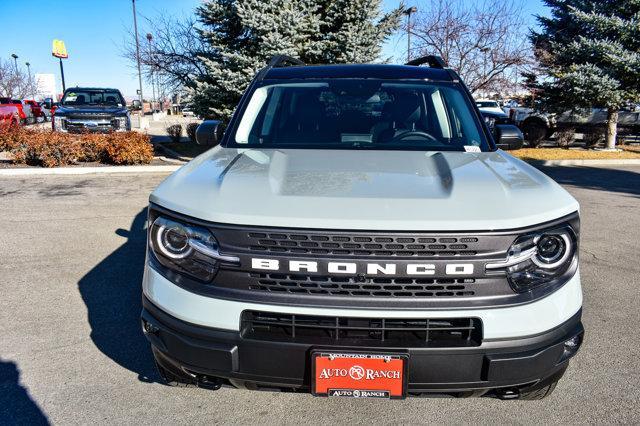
360	114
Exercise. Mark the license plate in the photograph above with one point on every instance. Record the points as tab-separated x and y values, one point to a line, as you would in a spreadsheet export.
359	375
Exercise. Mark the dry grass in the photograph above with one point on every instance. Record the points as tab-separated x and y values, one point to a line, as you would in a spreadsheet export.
629	152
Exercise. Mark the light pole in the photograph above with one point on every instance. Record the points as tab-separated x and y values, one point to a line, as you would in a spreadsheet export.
33	96
484	51
15	61
153	86
408	11
135	28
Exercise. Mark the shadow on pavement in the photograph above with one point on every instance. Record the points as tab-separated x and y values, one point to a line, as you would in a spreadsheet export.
614	180
112	292
16	406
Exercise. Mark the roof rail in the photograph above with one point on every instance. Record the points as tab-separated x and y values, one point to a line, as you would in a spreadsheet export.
433	61
282	60
277	61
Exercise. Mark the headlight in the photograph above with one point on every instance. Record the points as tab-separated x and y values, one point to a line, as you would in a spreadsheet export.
59	124
538	259
187	249
121	123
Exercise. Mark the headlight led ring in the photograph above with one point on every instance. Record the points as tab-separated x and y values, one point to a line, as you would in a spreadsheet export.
550	243
170	245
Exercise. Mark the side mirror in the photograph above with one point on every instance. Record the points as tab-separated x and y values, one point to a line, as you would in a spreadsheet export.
136	105
508	136
208	132
48	103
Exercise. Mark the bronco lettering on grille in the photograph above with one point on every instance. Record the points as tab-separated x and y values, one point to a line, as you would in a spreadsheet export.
350	268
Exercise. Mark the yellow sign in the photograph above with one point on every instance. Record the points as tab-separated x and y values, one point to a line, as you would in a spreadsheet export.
59	50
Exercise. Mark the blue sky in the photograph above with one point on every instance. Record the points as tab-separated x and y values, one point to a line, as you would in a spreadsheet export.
94	32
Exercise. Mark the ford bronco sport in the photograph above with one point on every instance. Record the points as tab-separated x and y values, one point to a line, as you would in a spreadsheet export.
356	233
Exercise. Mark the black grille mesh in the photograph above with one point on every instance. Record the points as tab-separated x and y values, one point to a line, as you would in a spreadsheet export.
441	332
351	286
362	245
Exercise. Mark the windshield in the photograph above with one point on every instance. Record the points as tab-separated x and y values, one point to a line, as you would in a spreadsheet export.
360	114
93	97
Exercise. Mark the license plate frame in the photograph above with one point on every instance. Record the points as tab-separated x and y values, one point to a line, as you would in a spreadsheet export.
368	389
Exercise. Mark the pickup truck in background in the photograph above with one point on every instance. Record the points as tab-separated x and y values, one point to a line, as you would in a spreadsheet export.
539	126
91	109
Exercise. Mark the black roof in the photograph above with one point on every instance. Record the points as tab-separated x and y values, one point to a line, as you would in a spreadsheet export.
91	88
377	71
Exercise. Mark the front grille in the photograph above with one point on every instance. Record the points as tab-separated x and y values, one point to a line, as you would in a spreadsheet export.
76	127
89	115
351	286
347	331
362	245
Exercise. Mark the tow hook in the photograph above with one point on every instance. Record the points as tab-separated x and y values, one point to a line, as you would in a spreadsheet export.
508	393
211	383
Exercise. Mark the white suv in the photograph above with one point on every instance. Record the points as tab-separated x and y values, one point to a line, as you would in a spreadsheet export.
356	233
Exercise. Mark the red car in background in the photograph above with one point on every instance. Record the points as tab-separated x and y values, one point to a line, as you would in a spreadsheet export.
35	108
24	110
9	114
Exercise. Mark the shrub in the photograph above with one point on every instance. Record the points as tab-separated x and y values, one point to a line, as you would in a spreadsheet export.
593	137
47	149
93	147
565	137
52	149
175	132
191	131
11	136
128	148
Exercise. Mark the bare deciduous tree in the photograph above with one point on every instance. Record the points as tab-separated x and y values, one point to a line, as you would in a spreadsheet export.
485	42
173	55
14	83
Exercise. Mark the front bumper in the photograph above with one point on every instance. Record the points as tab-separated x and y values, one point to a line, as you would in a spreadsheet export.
90	126
206	354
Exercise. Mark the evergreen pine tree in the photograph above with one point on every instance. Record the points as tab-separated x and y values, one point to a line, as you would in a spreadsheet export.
590	52
244	34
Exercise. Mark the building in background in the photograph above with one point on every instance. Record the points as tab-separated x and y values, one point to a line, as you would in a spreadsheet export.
45	86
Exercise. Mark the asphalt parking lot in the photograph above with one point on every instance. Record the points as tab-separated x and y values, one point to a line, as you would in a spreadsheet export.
71	350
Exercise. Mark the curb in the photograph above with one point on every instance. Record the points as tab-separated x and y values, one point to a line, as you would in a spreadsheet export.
618	162
172	160
88	170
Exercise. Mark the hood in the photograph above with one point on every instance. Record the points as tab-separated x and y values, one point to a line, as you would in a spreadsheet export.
90	109
493	110
366	190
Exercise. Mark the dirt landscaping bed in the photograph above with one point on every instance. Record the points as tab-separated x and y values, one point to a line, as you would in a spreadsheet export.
186	150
